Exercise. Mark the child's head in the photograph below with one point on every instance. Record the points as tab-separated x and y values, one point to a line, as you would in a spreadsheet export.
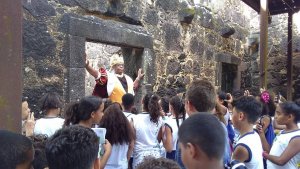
128	101
268	104
50	101
246	110
222	98
287	112
39	143
16	151
176	107
157	163
151	105
73	147
117	125
89	107
200	97
202	140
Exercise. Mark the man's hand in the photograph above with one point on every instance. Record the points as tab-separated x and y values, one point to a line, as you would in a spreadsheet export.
29	124
140	74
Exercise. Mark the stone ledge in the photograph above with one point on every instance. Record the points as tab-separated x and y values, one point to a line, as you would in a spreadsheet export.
227	58
107	31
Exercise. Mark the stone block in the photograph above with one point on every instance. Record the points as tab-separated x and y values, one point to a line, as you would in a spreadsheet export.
173	67
211	39
196	46
227	58
205	17
186	13
37	42
39	8
209	54
73	52
101	6
167	5
149	67
227	31
172	37
107	31
75	84
70	3
151	17
133	12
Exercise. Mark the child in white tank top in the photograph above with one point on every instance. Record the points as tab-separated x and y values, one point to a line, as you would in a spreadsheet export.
285	151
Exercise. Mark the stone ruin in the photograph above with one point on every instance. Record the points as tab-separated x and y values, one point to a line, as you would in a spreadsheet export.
174	41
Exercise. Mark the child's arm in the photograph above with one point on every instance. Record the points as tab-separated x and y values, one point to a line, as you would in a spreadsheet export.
261	128
291	150
105	157
240	153
167	139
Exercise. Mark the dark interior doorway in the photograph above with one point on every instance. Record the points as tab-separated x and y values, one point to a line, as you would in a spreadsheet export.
229	76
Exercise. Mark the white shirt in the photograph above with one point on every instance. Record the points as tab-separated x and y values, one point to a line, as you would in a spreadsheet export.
118	157
48	126
251	141
280	143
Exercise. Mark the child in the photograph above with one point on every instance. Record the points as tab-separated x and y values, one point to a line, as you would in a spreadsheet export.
87	112
176	107
202	143
285	152
120	135
17	151
248	148
50	105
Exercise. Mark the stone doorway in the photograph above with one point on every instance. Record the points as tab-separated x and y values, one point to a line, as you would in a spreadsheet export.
229	77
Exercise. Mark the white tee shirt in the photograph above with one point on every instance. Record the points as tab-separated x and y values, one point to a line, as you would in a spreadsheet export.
146	138
48	126
118	157
280	143
251	141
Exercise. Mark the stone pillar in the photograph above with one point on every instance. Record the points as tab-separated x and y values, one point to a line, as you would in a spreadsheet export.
10	64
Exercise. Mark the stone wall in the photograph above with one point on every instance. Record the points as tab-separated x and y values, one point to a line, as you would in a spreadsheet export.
277	56
174	41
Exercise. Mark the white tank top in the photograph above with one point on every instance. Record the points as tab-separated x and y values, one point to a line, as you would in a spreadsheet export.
280	143
171	122
118	157
251	141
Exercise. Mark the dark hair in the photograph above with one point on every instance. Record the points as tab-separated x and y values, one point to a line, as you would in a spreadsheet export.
250	106
211	139
39	143
118	129
202	95
107	102
73	147
164	101
151	105
224	97
178	107
82	110
157	163
50	101
291	108
14	149
127	101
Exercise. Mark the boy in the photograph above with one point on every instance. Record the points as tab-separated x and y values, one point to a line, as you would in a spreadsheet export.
16	151
201	140
248	148
73	147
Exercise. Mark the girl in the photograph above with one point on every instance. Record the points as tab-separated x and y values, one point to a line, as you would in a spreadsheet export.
87	112
285	152
50	105
120	135
147	126
176	108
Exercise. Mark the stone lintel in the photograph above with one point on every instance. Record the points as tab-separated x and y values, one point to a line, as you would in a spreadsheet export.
227	58
111	32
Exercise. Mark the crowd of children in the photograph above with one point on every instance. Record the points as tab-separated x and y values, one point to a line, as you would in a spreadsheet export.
200	129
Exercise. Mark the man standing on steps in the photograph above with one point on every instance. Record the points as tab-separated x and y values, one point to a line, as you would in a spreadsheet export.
113	84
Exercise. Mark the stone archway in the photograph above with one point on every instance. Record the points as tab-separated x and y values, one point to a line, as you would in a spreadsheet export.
79	30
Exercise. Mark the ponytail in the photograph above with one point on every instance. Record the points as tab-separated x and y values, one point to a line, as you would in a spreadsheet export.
154	108
71	114
178	108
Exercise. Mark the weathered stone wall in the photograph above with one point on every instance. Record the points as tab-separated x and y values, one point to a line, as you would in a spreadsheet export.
277	56
189	41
